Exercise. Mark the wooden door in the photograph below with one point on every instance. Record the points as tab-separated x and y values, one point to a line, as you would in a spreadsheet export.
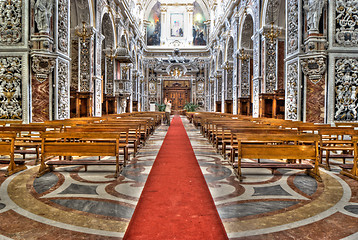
179	97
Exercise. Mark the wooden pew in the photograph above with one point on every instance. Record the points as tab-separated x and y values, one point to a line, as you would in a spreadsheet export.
351	170
82	144
267	130
27	138
278	147
7	148
131	131
336	139
9	122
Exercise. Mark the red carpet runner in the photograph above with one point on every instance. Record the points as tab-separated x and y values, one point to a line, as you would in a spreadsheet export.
175	202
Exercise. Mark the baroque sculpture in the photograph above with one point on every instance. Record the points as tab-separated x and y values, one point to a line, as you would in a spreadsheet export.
43	14
313	10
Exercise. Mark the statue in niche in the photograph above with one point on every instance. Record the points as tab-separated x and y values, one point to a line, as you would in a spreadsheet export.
43	14
313	10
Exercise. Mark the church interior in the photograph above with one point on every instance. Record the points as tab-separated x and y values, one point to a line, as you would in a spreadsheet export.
261	142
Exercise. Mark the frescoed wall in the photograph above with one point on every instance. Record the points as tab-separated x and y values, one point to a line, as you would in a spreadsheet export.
153	29
199	33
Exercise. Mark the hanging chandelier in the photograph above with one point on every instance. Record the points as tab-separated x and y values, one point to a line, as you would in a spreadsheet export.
84	33
273	33
243	55
110	53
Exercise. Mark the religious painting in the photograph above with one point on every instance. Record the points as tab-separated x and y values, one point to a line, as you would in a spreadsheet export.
153	29
199	29
177	25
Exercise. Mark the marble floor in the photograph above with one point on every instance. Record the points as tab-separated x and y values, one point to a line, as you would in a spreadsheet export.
71	203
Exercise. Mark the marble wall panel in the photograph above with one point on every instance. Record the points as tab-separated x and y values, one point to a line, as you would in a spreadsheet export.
315	101
40	100
281	65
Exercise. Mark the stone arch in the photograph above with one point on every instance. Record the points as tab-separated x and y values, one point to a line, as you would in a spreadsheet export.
220	60
247	30
108	31
274	12
230	50
81	10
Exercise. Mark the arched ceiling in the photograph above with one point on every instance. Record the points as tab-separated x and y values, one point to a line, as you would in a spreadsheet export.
204	4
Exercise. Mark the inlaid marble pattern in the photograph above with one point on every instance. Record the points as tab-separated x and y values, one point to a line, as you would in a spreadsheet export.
71	203
286	205
315	101
40	100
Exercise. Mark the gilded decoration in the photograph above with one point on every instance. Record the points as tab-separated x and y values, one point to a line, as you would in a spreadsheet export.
271	78
42	67
292	28
292	91
63	90
314	68
10	22
346	87
346	23
10	88
245	77
63	33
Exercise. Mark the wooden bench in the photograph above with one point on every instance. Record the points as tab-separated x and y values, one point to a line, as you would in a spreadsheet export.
264	130
351	170
279	147
82	144
7	148
129	133
336	139
28	139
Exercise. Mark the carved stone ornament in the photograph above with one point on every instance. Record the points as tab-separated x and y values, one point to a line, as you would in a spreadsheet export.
42	67
313	9
63	26
346	21
63	90
10	22
43	14
346	88
292	91
11	88
314	68
292	29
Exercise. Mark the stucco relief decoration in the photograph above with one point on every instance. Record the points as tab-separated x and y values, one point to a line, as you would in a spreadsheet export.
292	91
292	43
271	78
346	23
256	92
10	21
110	77
314	68
10	88
230	73
63	26
42	67
43	14
313	10
98	97
245	78
85	67
346	88
220	86
74	57
63	90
